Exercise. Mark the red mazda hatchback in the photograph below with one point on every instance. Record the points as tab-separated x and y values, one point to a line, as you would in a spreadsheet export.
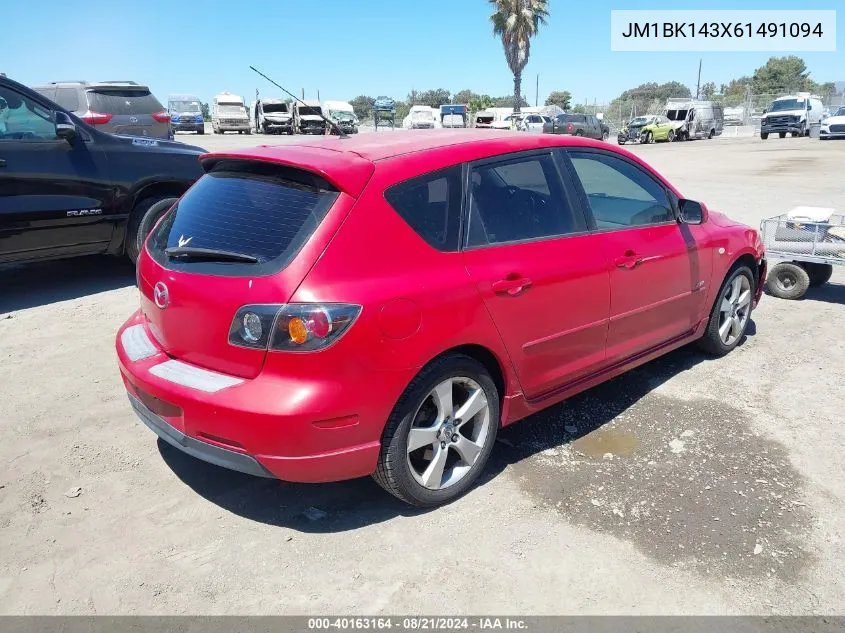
381	305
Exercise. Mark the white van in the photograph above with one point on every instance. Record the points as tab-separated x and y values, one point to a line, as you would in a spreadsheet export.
795	114
228	113
692	118
271	116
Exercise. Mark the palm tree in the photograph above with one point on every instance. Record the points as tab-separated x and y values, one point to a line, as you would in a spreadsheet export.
516	22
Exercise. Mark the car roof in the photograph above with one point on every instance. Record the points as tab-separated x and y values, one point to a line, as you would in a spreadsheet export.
348	163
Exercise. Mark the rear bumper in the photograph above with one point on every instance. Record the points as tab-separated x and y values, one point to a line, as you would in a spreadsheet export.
201	450
297	427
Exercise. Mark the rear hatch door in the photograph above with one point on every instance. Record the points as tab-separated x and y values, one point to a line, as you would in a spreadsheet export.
257	229
131	109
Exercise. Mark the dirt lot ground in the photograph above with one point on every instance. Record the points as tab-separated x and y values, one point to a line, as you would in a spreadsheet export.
723	492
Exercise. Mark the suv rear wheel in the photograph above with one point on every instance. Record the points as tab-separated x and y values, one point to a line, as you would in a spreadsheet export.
440	433
144	217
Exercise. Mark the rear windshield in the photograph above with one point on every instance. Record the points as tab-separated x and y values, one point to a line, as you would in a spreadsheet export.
119	102
262	211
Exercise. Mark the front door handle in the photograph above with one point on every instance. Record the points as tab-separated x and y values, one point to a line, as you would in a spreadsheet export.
629	260
512	285
2	162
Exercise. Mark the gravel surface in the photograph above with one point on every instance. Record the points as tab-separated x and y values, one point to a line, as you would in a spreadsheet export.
686	486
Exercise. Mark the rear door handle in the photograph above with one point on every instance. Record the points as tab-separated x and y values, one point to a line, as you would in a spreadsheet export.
511	285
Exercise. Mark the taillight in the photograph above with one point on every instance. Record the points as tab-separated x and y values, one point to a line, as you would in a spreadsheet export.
96	118
569	127
293	327
161	117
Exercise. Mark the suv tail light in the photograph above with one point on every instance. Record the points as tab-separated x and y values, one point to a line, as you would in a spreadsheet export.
161	117
96	118
292	327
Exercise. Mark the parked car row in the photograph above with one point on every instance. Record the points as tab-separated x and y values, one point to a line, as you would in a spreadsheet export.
682	120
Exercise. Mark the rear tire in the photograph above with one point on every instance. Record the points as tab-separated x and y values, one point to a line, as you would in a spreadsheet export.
671	137
713	342
819	274
398	470
764	135
782	134
201	131
144	217
787	280
711	135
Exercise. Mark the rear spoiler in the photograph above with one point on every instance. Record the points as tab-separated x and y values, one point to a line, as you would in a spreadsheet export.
345	170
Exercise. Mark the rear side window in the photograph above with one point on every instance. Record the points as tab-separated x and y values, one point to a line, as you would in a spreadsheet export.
519	199
431	205
261	211
123	102
68	98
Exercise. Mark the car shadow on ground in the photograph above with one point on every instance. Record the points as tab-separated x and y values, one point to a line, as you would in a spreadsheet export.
343	506
826	293
32	285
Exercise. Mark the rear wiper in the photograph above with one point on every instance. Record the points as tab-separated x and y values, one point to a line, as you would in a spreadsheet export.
175	252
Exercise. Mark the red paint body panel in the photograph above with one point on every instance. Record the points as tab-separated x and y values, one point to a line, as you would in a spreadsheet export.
319	416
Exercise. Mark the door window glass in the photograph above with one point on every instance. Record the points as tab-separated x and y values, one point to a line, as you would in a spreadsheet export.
620	194
22	119
519	199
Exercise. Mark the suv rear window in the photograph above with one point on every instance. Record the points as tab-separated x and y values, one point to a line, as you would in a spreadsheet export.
119	101
258	210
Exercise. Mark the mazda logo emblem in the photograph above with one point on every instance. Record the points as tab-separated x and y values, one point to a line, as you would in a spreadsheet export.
161	295
133	119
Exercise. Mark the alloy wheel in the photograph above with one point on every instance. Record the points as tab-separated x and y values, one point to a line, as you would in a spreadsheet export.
734	309
448	432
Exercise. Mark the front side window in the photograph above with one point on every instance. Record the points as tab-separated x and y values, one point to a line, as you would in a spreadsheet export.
519	199
620	194
431	205
22	119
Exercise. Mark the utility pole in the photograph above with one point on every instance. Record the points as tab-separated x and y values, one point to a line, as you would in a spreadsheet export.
318	94
537	92
698	83
303	94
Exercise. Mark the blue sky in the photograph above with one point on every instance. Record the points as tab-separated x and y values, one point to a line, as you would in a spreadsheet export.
345	48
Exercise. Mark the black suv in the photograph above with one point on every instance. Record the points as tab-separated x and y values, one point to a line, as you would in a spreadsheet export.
69	189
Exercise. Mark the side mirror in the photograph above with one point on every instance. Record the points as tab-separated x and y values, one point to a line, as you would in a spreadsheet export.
65	128
692	212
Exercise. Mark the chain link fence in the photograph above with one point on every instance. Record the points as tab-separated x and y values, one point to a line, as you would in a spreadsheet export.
742	112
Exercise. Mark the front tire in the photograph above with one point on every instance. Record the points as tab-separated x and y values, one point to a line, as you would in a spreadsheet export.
781	134
730	314
788	280
764	135
144	217
648	137
671	136
440	434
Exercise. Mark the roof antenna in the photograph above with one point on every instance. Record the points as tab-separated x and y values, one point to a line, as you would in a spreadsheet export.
332	124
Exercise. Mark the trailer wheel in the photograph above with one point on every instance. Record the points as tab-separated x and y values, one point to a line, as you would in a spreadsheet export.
819	273
788	280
